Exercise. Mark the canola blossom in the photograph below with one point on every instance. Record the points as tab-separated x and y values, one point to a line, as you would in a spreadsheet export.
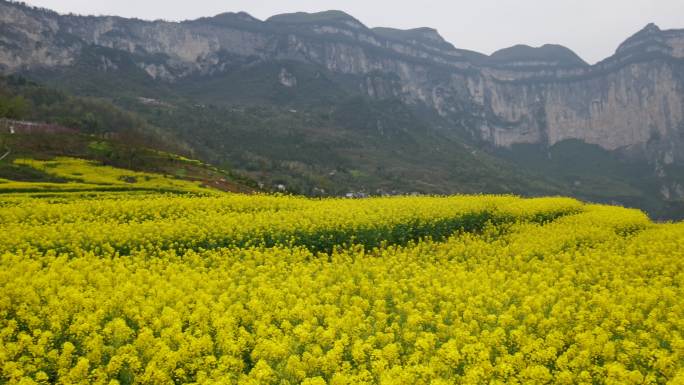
235	289
83	175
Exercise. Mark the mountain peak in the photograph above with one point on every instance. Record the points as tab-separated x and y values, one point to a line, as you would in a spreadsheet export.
649	36
331	16
234	16
427	33
424	35
650	28
522	55
229	20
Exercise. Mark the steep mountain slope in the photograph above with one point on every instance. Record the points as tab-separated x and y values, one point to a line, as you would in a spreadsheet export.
38	124
618	103
335	95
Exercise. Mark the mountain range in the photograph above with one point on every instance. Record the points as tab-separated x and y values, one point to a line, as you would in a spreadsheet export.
320	104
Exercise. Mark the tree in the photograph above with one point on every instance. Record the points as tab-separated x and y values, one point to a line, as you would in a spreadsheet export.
13	108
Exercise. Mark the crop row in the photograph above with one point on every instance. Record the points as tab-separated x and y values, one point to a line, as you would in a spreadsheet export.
194	223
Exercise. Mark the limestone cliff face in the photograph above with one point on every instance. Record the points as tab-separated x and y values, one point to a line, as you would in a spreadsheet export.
624	107
632	101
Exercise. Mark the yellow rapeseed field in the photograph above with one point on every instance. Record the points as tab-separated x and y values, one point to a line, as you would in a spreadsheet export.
236	289
87	176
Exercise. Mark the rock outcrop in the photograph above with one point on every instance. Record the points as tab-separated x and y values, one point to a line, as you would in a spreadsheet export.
631	102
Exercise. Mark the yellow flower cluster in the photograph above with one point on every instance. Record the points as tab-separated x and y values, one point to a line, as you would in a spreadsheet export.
170	222
418	290
88	176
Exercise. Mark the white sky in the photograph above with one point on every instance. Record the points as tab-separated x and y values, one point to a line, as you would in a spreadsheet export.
591	28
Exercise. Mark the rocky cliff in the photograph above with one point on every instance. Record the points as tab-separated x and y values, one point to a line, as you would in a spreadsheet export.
632	101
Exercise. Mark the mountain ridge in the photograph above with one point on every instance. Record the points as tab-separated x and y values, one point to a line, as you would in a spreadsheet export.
329	64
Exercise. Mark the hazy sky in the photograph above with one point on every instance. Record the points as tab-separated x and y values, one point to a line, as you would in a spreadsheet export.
592	28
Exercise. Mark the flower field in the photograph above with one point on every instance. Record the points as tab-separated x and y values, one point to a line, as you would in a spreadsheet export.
83	175
235	289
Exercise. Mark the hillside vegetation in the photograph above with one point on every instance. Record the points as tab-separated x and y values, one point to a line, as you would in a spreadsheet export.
69	128
261	289
322	139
